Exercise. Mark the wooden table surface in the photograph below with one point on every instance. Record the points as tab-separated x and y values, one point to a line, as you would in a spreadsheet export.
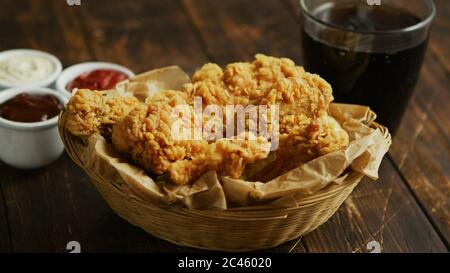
406	210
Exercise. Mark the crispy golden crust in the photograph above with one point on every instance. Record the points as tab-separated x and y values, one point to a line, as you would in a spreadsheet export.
266	80
227	157
143	131
90	112
146	135
305	142
305	129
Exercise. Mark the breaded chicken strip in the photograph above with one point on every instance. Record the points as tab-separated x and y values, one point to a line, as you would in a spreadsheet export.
303	143
146	135
266	80
145	131
90	112
306	131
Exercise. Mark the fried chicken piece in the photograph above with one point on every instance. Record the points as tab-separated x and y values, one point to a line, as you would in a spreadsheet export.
209	72
266	80
145	131
305	129
147	135
303	143
90	112
226	156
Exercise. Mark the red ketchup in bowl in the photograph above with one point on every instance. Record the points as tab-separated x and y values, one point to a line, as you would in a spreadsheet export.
100	79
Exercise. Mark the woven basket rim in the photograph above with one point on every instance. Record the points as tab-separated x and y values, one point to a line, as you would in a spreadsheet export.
322	194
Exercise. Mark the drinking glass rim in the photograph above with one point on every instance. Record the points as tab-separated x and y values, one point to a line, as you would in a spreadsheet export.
421	24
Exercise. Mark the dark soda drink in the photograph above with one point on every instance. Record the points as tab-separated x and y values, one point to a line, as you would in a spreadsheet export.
376	74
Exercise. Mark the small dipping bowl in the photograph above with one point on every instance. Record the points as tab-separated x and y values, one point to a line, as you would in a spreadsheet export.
30	145
19	66
71	73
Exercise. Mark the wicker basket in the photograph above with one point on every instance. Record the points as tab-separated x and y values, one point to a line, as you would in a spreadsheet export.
237	229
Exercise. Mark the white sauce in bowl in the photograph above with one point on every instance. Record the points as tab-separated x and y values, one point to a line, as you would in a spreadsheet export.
25	69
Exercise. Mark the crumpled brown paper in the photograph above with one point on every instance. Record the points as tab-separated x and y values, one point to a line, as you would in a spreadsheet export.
362	157
147	84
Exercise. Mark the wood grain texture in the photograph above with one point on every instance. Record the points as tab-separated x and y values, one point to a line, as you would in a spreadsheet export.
237	30
384	211
37	223
143	35
49	207
58	204
421	148
43	25
5	239
440	38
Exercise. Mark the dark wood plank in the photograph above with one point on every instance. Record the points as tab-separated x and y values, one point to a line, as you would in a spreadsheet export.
440	38
383	211
421	147
432	95
57	204
237	30
35	25
41	25
72	45
160	50
141	34
5	239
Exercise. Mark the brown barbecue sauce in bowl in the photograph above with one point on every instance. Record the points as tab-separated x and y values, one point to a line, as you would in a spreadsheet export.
27	107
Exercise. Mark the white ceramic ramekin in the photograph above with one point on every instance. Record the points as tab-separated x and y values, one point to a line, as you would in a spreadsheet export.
47	82
72	72
30	145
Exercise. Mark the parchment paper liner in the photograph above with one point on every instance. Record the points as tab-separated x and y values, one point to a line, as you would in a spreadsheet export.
363	155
